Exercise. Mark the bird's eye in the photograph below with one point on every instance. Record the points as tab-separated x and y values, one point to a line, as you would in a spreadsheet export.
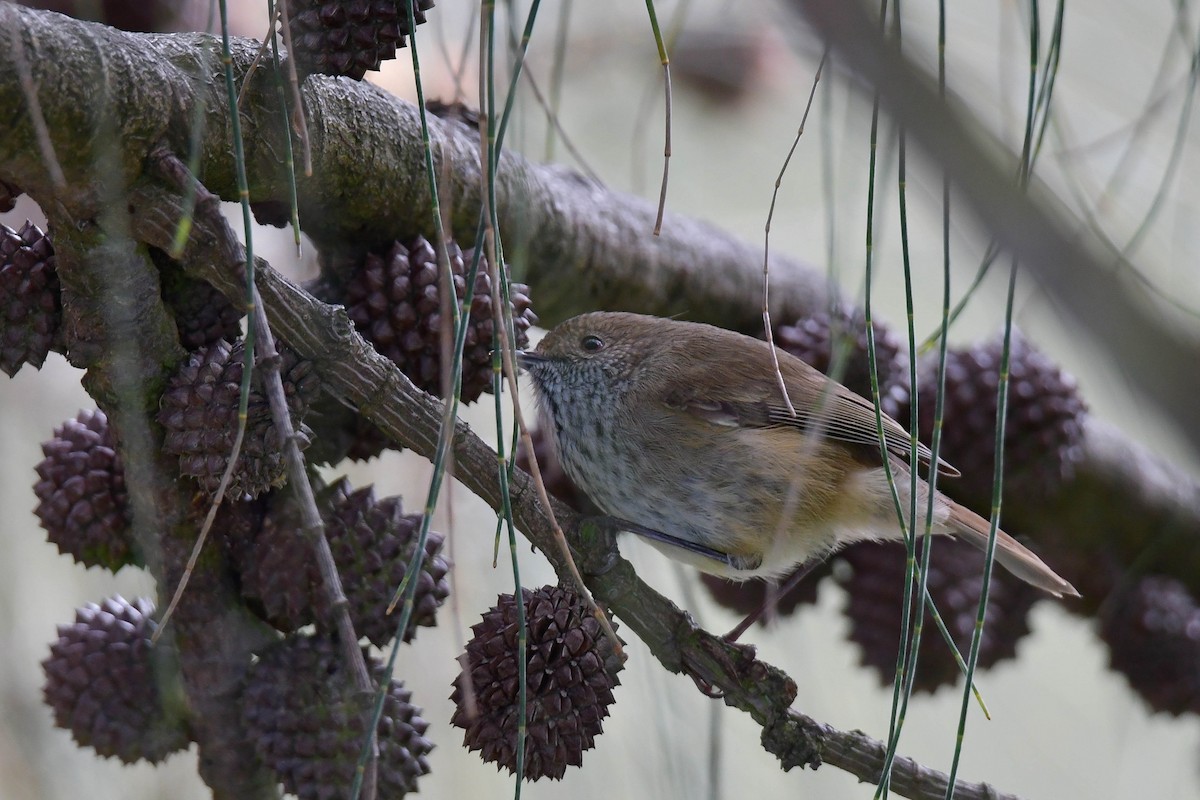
591	344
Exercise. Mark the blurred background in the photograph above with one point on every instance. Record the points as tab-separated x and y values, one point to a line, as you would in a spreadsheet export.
1118	153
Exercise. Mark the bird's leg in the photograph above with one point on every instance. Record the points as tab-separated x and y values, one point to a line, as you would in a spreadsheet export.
771	599
733	562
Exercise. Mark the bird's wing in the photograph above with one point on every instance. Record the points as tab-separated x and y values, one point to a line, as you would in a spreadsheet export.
839	414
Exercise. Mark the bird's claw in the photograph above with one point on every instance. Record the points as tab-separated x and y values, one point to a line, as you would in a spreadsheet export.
726	660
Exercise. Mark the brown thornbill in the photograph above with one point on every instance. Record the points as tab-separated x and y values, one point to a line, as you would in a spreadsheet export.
680	432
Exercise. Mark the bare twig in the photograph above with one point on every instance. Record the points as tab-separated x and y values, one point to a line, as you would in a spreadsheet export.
218	497
768	329
665	60
262	50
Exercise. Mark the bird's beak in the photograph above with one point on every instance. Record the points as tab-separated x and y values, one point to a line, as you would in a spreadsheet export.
528	358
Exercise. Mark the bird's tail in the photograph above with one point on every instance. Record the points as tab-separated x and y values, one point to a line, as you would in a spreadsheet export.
1012	555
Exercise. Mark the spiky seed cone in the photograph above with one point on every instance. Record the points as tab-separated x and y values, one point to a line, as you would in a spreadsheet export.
199	412
82	501
1043	431
746	597
203	315
372	541
349	37
875	593
836	344
395	303
571	672
556	480
1153	637
307	722
105	688
30	302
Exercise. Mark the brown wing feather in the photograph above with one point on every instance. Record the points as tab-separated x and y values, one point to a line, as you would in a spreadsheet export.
747	396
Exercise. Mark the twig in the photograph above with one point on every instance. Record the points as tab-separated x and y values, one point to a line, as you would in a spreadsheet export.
556	126
1035	228
766	260
262	50
665	60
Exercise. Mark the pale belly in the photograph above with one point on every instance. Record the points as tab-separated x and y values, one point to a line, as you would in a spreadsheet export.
728	502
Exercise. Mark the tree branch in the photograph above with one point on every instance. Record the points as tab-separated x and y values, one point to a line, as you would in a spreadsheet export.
586	247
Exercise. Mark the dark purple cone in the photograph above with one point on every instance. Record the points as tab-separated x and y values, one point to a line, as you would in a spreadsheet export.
1043	431
105	688
571	672
372	542
199	411
349	37
30	302
1153	637
875	593
82	501
395	302
307	722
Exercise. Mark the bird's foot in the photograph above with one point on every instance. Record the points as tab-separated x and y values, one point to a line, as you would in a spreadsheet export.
718	661
772	599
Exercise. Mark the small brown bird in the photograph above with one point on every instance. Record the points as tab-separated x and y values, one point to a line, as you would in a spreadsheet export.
679	431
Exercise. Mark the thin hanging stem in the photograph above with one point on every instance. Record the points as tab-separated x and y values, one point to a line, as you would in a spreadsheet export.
666	65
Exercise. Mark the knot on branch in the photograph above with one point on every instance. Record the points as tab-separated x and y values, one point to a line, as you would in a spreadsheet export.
794	743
